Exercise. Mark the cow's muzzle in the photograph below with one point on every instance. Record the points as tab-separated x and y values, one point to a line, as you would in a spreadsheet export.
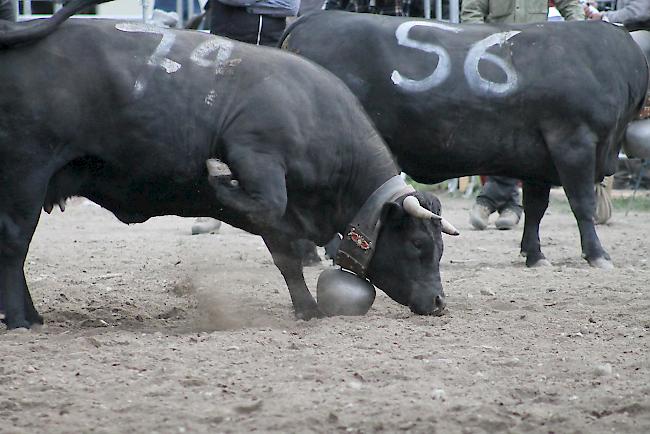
432	306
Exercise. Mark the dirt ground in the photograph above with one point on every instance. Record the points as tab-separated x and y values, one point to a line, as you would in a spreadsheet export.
149	329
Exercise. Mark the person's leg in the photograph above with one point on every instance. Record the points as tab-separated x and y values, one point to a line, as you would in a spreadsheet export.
233	22
509	202
479	215
7	11
498	194
271	30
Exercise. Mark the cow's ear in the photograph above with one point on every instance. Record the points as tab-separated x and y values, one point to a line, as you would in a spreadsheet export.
392	212
432	202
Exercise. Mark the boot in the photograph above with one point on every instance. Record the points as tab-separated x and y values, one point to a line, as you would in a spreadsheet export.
479	216
508	219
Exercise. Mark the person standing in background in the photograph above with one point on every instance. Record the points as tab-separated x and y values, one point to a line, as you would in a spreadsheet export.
260	22
627	12
501	194
7	11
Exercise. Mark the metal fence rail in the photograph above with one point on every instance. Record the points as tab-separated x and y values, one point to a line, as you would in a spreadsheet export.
147	6
27	11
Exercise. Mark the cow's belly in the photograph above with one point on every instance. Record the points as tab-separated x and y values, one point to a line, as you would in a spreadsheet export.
136	193
452	154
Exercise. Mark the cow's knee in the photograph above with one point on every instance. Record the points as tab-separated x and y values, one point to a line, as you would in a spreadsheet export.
13	239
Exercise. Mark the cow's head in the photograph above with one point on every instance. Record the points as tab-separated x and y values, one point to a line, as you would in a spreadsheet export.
406	262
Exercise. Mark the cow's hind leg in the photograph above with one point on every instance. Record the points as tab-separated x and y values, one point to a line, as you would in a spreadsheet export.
256	188
574	156
288	260
535	204
16	301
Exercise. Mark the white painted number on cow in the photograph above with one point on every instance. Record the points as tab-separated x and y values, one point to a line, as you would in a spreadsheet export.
479	52
441	71
201	54
158	58
476	54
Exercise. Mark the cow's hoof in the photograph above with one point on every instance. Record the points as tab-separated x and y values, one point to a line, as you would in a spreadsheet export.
205	226
35	318
602	263
223	182
538	262
20	325
307	314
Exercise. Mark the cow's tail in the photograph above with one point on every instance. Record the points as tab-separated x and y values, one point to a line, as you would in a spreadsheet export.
30	31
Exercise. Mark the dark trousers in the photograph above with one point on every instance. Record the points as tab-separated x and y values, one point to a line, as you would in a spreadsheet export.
7	10
236	23
499	193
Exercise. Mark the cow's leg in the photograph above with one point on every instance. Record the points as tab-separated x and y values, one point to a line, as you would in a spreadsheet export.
17	302
20	209
18	305
258	192
288	260
535	204
574	156
31	314
308	253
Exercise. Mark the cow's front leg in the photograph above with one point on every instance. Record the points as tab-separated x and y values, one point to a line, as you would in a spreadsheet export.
574	156
31	314
17	302
535	204
20	209
256	188
288	260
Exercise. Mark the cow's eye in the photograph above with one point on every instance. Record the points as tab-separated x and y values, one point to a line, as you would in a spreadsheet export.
417	244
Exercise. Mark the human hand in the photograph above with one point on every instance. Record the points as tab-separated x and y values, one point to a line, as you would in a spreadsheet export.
592	13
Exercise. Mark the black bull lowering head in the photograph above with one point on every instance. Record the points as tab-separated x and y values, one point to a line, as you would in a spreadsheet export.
132	128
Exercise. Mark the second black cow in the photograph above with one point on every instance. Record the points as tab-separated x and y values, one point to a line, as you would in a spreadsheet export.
538	102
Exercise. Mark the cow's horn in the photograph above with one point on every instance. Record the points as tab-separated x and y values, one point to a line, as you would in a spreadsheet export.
412	206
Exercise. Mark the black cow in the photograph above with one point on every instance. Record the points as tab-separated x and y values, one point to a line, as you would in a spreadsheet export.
127	114
546	103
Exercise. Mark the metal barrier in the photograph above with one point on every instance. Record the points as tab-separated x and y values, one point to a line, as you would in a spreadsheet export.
27	10
27	5
454	9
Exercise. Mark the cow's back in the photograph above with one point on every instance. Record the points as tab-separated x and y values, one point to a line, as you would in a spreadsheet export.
433	88
148	106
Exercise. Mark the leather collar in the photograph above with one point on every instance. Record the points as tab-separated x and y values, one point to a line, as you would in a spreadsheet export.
358	244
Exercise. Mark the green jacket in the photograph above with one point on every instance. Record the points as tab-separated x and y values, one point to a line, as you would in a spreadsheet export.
517	11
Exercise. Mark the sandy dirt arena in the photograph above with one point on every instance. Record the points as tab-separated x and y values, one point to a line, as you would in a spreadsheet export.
149	329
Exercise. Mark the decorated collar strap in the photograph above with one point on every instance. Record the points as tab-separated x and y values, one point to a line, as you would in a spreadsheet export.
358	243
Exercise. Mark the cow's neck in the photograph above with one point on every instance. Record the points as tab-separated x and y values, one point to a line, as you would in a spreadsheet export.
368	172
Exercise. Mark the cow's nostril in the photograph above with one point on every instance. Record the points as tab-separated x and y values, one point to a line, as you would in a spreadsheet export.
440	302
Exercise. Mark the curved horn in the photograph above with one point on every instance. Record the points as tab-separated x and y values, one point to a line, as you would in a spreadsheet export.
448	228
412	206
